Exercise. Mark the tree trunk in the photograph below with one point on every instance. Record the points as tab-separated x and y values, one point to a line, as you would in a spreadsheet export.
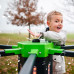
29	33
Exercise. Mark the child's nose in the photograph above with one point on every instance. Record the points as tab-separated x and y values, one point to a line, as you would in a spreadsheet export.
60	23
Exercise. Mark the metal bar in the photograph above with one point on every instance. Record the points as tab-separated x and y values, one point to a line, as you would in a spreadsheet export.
67	47
28	66
68	53
51	64
2	53
5	46
19	63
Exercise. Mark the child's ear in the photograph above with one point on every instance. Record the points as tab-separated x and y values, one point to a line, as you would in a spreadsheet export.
48	23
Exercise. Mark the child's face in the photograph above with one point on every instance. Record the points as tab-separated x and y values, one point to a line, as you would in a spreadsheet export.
56	23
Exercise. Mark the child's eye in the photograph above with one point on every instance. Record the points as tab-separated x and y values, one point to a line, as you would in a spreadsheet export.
56	21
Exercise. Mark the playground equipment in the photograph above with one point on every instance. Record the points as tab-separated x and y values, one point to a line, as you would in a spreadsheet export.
36	54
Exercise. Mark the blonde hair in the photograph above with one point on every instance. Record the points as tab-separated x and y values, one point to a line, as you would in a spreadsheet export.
52	13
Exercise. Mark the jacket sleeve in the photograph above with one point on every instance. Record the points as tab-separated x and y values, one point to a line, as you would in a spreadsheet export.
55	36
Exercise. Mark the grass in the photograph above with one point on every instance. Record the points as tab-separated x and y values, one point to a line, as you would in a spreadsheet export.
70	39
70	60
11	39
9	64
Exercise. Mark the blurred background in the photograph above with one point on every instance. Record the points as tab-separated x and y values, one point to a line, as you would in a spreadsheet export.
66	7
16	16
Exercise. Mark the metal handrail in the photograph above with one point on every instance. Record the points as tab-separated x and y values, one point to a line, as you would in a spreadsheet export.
28	66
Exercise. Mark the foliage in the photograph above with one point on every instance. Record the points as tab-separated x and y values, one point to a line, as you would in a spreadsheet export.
23	12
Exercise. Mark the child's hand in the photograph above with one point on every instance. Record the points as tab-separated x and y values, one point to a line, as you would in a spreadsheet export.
37	35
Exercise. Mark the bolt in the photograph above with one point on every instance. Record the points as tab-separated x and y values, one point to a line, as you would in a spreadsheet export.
39	52
28	52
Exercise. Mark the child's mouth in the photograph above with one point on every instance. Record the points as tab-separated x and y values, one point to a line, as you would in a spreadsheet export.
58	27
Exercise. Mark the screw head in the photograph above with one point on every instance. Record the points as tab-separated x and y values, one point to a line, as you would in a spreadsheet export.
39	52
28	52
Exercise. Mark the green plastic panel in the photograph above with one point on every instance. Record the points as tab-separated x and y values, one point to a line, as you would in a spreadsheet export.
41	49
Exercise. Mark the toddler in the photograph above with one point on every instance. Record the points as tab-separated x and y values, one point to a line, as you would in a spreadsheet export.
57	36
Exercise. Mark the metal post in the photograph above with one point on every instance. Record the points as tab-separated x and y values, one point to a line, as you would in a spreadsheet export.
2	53
42	65
5	46
21	61
51	64
67	47
28	66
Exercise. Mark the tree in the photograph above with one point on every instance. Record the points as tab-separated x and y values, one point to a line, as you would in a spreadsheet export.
23	12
